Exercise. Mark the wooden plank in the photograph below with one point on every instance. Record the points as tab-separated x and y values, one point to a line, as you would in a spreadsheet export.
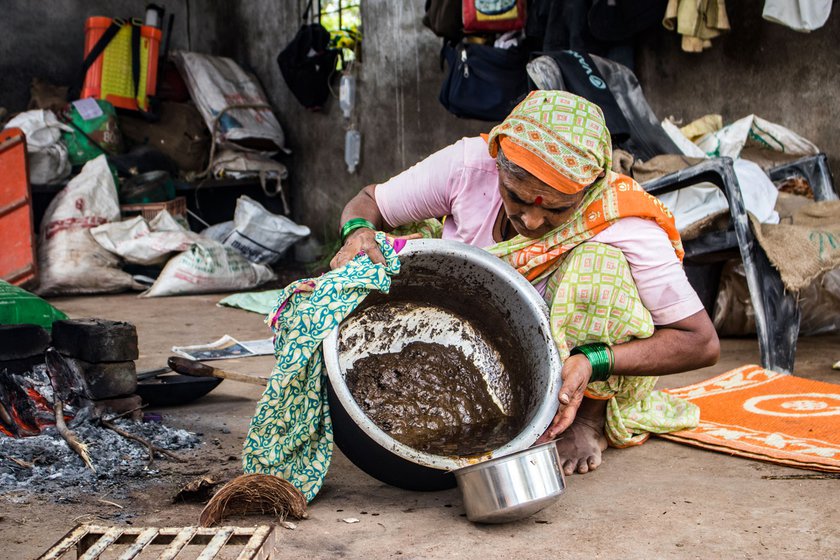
182	539
216	543
104	542
260	546
258	541
211	531
240	535
234	530
66	543
145	537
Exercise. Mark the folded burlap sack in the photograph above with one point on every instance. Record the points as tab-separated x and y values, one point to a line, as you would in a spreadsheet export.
807	246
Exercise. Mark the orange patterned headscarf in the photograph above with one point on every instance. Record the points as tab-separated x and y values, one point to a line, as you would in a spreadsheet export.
562	140
558	137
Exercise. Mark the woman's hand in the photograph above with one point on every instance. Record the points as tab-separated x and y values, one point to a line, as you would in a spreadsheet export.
576	373
362	240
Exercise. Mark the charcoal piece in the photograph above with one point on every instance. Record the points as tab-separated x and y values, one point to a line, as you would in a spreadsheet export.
23	365
127	407
22	341
106	380
96	340
15	398
66	379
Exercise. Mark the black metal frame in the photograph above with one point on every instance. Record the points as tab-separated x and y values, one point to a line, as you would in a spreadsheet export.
776	311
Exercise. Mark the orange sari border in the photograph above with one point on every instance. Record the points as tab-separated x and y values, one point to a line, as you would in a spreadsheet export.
538	167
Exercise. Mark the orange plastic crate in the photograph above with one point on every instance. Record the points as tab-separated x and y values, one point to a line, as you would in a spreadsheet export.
18	262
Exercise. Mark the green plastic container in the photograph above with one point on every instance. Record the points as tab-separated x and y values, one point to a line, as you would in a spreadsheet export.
17	306
103	129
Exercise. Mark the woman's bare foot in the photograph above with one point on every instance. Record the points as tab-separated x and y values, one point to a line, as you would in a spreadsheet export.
580	446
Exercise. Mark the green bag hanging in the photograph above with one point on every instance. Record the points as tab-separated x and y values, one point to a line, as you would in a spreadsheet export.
102	129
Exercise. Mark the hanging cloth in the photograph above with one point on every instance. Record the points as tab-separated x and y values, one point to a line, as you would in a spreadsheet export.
800	15
698	21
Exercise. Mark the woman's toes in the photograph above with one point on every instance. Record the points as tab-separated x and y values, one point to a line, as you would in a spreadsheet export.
569	467
593	463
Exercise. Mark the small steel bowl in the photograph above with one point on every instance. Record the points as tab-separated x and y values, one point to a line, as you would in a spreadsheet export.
512	487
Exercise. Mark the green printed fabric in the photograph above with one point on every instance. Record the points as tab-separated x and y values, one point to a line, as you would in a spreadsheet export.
592	298
429	229
567	132
255	302
291	433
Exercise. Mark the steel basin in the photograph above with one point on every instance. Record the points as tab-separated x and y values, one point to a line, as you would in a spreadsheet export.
513	487
468	298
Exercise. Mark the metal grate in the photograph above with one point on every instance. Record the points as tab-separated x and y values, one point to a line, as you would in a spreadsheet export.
92	541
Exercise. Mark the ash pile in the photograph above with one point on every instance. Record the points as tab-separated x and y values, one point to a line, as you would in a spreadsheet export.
68	415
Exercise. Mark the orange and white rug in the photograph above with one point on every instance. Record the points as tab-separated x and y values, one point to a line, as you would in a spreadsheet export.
760	414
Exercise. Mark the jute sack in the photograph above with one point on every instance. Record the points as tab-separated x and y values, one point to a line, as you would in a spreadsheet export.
734	315
180	134
806	247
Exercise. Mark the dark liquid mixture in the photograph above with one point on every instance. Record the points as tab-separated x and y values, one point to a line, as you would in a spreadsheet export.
432	398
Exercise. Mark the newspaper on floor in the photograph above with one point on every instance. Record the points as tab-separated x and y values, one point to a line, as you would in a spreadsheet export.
226	348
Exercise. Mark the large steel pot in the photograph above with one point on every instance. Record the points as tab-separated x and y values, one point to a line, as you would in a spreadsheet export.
456	295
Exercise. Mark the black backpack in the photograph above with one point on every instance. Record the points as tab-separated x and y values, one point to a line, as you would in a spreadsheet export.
444	18
307	63
483	82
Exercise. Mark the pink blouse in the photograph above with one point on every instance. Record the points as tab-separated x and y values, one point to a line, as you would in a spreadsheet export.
461	182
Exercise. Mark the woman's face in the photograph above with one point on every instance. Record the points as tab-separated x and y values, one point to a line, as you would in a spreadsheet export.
533	207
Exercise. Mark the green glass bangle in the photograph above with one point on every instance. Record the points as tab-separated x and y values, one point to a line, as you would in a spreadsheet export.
352	225
601	357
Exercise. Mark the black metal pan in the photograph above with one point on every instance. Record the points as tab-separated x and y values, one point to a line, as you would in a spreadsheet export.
162	387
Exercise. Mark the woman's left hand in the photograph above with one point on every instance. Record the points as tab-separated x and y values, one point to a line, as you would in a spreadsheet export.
576	373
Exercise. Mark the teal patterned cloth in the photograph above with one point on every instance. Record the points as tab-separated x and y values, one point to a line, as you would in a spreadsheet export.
291	432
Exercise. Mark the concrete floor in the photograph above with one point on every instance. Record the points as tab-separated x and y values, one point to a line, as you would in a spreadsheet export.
659	500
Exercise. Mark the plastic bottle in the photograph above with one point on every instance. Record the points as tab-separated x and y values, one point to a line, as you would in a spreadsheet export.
154	15
347	95
352	149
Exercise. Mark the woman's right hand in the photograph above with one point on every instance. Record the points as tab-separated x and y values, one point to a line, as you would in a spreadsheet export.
361	240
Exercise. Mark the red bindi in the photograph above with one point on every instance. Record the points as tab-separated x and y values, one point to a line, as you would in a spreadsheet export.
538	201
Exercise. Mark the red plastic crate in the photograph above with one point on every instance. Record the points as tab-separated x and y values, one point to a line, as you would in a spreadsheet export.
18	261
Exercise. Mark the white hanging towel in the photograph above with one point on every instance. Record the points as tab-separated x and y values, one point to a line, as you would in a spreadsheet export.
799	15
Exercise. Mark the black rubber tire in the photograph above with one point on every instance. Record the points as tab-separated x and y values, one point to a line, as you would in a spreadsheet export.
22	341
96	340
106	380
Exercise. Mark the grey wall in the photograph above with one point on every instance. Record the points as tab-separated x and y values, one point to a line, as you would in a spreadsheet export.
397	110
45	38
761	67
